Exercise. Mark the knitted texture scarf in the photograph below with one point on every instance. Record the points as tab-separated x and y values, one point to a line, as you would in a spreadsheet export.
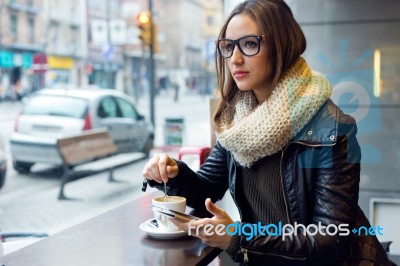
260	130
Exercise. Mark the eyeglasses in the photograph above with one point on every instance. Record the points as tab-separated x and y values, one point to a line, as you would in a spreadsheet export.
249	45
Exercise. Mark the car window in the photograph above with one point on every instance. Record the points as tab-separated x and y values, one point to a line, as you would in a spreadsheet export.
56	105
107	108
127	109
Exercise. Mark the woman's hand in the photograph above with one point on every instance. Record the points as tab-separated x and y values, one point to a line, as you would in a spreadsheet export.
209	236
160	168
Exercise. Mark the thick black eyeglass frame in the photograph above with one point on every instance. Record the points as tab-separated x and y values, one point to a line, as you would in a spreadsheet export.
236	43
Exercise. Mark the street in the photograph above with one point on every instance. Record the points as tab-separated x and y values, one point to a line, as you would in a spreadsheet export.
29	202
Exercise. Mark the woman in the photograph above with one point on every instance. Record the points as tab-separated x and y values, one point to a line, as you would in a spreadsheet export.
286	153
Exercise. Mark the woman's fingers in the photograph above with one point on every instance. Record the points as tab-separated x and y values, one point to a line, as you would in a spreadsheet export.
160	168
151	171
163	162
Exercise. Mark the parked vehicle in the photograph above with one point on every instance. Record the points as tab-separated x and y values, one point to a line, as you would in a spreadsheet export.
3	163
52	113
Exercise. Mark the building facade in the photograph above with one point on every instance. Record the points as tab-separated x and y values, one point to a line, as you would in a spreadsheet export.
187	33
105	57
212	22
45	43
62	27
19	42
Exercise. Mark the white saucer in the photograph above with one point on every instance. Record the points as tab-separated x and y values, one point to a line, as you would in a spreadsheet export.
149	229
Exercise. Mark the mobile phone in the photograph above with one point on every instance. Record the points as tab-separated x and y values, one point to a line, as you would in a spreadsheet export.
175	214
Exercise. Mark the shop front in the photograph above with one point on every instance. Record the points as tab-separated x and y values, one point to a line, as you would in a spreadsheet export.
104	74
39	69
59	71
15	74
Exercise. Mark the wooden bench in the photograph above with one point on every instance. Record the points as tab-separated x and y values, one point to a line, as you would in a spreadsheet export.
88	147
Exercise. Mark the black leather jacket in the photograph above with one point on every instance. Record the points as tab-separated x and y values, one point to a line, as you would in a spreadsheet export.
320	171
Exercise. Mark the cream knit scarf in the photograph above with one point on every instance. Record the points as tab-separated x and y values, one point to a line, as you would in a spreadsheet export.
259	131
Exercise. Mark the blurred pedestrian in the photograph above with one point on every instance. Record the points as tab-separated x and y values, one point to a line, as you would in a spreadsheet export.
288	155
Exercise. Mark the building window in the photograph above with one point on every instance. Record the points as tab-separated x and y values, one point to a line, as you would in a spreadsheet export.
73	13
74	41
53	37
13	24
31	30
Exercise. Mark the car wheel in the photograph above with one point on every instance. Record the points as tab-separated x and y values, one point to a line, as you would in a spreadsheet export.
2	177
22	167
147	148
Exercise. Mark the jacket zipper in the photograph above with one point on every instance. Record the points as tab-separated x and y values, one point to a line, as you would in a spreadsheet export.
245	257
281	171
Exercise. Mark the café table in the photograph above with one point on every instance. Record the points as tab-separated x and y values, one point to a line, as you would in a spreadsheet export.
113	238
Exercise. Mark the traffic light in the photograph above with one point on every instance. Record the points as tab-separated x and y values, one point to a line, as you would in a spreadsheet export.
144	25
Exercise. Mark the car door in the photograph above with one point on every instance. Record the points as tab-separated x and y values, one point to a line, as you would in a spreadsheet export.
138	130
110	118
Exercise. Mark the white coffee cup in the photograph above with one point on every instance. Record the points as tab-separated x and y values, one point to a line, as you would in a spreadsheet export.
175	203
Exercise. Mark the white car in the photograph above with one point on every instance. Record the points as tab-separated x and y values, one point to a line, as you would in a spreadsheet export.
53	113
3	163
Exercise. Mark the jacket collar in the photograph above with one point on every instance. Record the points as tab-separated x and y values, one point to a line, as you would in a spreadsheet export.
323	128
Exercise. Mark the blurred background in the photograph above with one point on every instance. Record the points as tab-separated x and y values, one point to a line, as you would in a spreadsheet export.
160	54
45	43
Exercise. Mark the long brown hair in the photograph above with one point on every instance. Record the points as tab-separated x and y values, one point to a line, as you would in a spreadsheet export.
285	41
